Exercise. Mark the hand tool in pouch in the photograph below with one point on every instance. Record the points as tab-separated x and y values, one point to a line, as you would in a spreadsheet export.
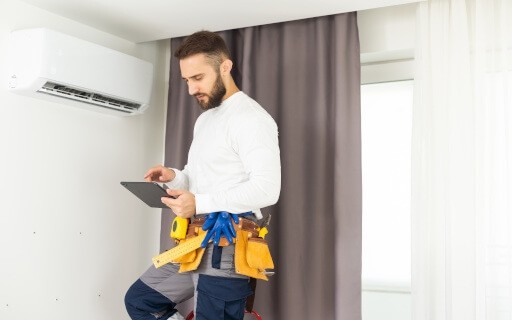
263	228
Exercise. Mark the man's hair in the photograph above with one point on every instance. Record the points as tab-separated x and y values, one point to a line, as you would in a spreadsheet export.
206	42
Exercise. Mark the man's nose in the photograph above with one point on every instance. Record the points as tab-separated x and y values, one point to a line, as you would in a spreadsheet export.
192	89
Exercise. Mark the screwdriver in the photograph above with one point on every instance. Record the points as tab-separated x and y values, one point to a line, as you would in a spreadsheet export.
263	228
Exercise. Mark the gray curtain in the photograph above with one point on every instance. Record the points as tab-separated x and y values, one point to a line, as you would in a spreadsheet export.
306	74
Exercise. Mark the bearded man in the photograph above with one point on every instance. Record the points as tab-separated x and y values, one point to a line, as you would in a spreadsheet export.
233	167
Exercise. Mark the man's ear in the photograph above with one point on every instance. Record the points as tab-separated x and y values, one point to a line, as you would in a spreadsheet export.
226	66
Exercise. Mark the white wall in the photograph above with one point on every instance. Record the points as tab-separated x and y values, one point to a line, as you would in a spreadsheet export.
72	239
387	38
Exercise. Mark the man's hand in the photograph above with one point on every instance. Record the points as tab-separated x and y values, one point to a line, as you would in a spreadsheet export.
182	203
159	174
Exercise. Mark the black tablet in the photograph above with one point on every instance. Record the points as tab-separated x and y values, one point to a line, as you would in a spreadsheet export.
149	192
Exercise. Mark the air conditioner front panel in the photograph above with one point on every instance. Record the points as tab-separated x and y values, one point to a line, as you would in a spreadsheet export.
46	56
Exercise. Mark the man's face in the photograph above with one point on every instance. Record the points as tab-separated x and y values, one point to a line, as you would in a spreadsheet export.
204	82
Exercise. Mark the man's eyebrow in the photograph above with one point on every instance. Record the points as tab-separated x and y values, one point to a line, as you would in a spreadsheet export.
194	76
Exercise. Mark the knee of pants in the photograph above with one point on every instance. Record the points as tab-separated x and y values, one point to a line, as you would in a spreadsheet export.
143	302
221	298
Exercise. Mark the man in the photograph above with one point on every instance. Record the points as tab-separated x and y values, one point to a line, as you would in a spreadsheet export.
233	166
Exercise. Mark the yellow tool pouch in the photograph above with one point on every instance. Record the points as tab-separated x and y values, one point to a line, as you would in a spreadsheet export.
258	254
241	257
188	257
191	260
194	264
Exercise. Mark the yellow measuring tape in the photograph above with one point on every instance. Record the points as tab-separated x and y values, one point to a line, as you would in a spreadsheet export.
176	252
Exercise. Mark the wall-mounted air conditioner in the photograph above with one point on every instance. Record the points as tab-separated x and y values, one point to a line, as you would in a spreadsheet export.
54	66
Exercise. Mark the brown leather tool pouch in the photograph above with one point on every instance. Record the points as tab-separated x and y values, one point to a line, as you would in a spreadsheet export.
258	254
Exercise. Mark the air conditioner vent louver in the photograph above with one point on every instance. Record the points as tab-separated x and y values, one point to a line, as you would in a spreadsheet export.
88	97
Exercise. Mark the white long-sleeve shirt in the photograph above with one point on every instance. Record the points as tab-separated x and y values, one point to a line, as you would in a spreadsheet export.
234	160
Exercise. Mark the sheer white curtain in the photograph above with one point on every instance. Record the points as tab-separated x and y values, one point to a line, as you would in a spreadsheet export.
462	161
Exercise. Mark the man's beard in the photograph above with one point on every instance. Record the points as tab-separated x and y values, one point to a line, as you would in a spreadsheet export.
215	97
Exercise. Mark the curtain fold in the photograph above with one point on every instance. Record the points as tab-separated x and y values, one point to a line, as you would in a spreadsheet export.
306	74
462	147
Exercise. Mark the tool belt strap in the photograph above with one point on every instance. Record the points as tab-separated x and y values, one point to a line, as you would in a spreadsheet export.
243	224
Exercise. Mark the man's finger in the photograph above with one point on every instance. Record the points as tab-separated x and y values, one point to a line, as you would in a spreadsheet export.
168	201
175	192
150	172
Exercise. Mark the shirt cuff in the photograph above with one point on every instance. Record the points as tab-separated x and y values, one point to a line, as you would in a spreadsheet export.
179	181
203	203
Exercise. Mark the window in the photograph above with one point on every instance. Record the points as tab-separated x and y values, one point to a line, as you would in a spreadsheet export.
386	120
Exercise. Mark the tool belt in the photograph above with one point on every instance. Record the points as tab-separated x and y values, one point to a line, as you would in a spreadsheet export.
252	255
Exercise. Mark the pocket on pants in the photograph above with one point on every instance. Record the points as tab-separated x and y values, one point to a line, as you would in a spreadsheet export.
221	298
